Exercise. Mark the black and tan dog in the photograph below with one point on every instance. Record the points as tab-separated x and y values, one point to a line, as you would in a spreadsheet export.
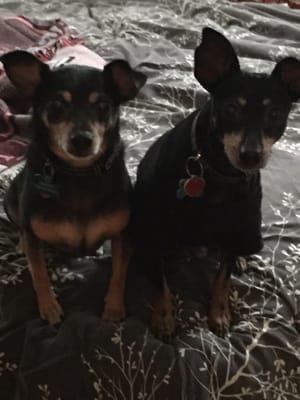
74	189
199	184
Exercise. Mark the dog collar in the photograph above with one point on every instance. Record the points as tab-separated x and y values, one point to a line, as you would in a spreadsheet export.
45	184
194	185
97	168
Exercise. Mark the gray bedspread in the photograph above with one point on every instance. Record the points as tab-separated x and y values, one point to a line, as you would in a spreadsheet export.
86	358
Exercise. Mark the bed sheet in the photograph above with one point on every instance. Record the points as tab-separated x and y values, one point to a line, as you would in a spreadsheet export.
86	358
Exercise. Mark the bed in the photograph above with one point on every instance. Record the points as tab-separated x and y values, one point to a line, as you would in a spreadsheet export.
85	358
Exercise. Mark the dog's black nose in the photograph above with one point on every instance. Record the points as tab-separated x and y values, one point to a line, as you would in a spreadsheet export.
82	139
81	143
250	157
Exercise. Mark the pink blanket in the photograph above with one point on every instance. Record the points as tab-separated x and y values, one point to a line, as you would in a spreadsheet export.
53	42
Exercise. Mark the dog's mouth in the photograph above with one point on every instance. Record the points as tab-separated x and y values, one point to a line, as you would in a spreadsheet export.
80	153
78	149
246	163
82	144
77	143
250	165
247	159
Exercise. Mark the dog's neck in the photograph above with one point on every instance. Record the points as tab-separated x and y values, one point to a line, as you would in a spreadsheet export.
207	141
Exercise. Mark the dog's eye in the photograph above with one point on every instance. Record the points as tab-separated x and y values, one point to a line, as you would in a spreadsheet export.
102	110
56	109
275	113
231	109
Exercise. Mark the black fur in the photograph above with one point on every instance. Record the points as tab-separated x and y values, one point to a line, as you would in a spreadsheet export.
74	191
227	216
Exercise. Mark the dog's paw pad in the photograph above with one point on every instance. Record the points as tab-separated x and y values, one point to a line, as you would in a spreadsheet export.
241	265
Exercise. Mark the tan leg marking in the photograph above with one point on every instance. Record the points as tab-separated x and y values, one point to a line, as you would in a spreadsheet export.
114	309
219	316
48	306
163	318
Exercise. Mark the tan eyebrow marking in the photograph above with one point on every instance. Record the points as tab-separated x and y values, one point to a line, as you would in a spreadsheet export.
93	97
242	101
266	101
67	96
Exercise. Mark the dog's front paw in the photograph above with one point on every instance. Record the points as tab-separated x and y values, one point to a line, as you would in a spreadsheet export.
240	265
219	319
20	246
163	322
113	312
49	308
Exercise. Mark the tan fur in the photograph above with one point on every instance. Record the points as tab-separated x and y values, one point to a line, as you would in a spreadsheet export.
114	305
59	138
56	232
73	234
219	313
267	144
266	101
106	226
232	142
49	308
93	97
242	101
67	96
163	317
98	133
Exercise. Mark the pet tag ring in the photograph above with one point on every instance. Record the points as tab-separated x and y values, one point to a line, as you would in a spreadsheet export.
44	182
196	160
194	185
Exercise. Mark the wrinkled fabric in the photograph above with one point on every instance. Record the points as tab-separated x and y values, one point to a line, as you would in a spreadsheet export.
86	358
44	39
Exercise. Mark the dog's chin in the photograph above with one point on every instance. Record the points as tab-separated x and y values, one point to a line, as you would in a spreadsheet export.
76	159
246	168
81	159
79	154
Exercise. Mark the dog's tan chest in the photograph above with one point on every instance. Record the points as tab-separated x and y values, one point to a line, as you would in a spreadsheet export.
75	234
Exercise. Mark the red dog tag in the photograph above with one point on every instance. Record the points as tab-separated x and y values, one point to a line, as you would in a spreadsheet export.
194	186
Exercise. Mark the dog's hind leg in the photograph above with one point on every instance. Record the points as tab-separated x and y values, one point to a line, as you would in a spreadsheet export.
219	315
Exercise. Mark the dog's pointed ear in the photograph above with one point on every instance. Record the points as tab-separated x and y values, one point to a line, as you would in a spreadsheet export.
287	71
121	81
215	59
24	70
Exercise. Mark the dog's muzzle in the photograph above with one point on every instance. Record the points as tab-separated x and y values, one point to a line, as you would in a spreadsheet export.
81	143
251	152
251	158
